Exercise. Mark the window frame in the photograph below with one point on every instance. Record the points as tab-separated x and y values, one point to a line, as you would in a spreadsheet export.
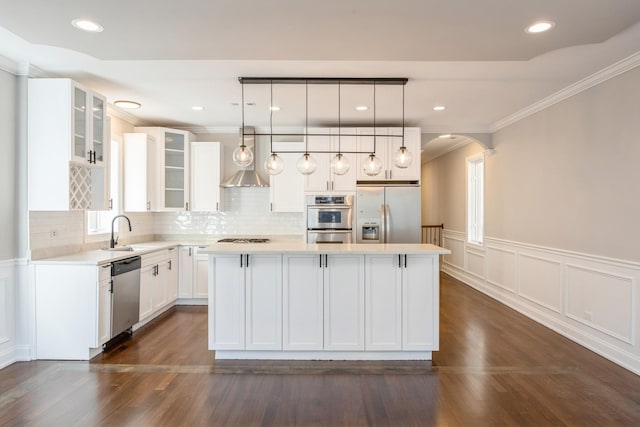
475	198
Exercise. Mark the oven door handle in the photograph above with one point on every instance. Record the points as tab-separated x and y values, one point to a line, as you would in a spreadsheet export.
329	207
330	231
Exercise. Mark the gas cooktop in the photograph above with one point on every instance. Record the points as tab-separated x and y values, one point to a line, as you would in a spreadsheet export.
243	240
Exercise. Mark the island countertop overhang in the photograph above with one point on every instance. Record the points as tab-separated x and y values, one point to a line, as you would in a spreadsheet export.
325	248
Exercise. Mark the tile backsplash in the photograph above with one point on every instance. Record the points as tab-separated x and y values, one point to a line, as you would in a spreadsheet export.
246	213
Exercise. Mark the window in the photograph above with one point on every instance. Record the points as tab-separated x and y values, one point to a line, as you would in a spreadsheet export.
475	198
99	222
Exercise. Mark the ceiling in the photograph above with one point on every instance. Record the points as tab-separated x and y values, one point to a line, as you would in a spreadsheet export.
471	56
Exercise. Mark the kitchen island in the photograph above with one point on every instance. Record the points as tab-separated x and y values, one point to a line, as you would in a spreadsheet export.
324	302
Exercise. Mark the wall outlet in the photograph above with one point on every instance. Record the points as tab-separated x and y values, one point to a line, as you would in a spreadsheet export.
53	233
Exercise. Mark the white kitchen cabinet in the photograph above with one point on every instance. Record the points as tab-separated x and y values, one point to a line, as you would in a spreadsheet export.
263	302
420	303
67	149
226	303
172	266
323	180
401	297
172	170
344	310
158	282
245	304
139	173
302	306
383	302
193	283
147	285
104	303
286	190
385	148
73	310
207	173
201	279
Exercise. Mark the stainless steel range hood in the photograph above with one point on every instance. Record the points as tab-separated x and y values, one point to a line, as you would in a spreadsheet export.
247	177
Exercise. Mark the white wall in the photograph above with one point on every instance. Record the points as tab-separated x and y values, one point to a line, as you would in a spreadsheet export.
561	218
9	110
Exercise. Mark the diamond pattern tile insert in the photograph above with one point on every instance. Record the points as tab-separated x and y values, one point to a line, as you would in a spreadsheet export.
79	187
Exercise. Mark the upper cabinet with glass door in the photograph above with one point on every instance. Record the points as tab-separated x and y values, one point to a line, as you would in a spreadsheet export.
173	166
68	162
89	116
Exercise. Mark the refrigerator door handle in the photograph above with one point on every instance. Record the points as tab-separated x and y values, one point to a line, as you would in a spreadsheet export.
387	214
383	223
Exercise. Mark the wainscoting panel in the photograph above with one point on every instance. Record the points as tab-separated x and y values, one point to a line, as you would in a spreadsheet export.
456	245
589	299
501	268
475	262
602	300
7	313
541	281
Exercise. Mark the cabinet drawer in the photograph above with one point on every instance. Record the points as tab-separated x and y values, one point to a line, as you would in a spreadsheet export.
155	257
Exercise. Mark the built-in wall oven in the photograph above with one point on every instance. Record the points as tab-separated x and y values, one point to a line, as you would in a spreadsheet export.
329	219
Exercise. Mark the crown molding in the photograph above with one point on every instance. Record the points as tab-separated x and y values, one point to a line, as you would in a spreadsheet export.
127	117
594	79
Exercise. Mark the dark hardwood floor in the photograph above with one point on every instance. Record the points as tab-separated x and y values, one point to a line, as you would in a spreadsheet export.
495	368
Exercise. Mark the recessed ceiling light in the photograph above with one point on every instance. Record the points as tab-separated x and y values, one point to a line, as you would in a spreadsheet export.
362	108
446	135
439	107
87	25
274	108
197	108
129	105
539	27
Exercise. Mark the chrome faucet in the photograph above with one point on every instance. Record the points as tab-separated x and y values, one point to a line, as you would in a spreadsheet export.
112	243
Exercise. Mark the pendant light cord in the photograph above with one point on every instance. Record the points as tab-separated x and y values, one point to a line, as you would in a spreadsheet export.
242	144
339	122
374	118
271	119
402	116
306	117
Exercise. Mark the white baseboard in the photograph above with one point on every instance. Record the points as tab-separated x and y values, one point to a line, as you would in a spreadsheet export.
591	300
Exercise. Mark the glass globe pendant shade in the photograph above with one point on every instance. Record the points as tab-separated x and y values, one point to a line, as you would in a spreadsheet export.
402	158
339	164
306	164
274	164
372	166
242	156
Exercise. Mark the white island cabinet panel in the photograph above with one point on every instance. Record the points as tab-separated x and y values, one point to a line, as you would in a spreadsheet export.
383	302
420	302
302	302
227	280
344	302
263	302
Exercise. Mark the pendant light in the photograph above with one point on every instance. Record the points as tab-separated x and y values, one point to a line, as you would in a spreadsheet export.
306	164
373	165
402	158
274	164
242	155
339	164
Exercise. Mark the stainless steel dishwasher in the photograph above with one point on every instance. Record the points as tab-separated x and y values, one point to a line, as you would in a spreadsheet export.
125	290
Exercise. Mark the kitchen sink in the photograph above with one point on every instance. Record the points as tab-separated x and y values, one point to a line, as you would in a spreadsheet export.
119	249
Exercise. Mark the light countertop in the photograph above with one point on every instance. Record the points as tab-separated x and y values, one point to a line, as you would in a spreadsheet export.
325	248
99	256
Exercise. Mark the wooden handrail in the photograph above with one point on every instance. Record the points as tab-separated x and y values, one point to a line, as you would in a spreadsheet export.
432	233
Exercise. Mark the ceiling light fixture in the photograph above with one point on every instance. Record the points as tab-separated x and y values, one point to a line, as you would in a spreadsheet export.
446	135
339	164
128	105
87	25
539	27
439	108
362	108
197	108
274	108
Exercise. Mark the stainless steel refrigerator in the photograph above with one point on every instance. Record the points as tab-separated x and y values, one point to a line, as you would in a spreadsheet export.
388	214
